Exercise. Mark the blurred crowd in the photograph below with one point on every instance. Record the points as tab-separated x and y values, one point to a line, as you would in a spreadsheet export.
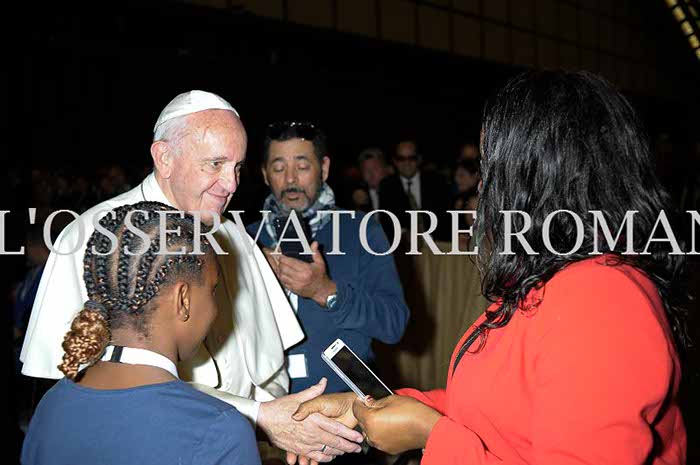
404	179
407	180
77	190
50	191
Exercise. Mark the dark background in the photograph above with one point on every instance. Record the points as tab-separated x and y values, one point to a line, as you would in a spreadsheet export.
91	82
84	84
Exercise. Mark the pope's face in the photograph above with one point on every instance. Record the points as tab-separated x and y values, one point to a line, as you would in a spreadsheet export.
206	172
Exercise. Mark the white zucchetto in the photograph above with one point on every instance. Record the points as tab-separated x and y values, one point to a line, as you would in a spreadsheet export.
192	102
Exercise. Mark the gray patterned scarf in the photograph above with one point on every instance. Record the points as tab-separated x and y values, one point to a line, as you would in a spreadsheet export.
325	201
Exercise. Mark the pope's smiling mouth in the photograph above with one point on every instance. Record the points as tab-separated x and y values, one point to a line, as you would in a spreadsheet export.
220	198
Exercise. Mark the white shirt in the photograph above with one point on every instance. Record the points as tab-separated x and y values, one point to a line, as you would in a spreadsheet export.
415	187
374	198
243	360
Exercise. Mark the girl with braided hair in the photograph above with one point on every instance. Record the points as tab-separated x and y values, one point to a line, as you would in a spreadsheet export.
150	306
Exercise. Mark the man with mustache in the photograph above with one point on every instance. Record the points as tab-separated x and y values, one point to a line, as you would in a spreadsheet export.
356	295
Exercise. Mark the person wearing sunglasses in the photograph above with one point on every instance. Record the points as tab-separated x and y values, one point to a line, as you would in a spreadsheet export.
411	188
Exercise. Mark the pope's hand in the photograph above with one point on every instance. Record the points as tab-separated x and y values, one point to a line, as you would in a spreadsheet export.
336	406
395	424
307	437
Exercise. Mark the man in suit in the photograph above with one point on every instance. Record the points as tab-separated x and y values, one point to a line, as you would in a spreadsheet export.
374	169
198	149
413	189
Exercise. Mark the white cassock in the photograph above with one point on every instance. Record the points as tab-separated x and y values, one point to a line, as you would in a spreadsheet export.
243	361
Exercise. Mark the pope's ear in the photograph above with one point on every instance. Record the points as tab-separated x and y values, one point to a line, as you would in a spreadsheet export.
162	158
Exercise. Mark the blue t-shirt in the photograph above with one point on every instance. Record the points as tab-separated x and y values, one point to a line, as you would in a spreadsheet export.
168	423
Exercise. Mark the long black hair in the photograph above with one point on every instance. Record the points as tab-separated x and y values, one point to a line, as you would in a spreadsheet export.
557	140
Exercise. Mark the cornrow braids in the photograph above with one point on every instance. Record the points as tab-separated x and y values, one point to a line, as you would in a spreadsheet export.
144	271
121	286
110	222
123	265
126	254
161	276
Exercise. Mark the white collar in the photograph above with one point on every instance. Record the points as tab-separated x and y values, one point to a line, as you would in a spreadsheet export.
151	191
413	180
134	356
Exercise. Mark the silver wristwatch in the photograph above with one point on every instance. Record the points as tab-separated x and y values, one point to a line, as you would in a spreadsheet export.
331	300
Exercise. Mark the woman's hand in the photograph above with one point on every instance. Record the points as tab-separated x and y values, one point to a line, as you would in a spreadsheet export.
336	406
395	424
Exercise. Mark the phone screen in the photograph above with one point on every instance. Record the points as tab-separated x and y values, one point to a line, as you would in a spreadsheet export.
359	374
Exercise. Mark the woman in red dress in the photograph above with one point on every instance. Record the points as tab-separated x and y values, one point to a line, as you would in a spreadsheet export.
577	359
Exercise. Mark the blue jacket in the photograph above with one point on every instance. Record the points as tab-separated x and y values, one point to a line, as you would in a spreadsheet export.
370	301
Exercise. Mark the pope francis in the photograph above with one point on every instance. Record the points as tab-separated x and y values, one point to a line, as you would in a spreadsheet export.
198	149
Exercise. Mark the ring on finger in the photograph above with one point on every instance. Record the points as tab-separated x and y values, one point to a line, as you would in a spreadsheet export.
323	449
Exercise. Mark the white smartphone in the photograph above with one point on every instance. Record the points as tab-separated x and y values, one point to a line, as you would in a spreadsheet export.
353	371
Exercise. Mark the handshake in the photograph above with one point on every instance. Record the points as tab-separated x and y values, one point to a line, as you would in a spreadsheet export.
313	427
